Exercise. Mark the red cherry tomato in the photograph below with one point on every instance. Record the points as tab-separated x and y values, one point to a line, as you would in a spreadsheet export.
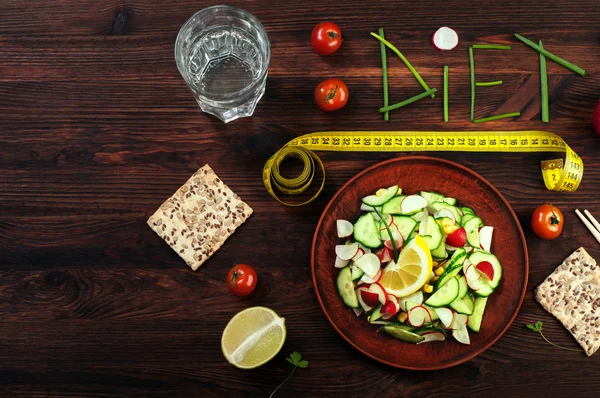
241	280
596	118
547	221
332	94
457	238
326	38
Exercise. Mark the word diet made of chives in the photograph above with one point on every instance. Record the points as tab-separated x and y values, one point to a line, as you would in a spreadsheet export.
429	92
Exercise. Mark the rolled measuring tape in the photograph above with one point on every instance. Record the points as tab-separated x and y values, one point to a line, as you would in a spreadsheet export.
559	175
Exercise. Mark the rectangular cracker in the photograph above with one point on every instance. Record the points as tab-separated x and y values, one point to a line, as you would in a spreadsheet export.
572	294
199	217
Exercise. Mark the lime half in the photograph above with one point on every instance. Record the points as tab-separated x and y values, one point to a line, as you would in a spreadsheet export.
253	337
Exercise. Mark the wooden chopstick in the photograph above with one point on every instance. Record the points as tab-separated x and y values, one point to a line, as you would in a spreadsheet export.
589	226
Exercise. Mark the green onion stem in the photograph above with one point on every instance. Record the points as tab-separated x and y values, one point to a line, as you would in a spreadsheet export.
496	117
408	101
544	86
472	67
446	93
403	58
491	47
488	84
553	57
386	115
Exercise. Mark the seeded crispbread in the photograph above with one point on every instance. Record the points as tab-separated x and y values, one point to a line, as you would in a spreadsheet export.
199	217
572	294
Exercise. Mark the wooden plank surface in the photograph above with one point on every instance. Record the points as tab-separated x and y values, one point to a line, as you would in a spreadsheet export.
97	129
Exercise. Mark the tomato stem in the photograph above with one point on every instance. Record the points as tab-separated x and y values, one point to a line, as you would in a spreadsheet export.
331	94
554	219
332	34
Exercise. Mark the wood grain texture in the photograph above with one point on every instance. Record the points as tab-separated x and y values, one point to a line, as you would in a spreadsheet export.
97	129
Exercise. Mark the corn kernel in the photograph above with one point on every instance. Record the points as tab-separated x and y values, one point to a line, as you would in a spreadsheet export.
427	288
399	192
435	278
402	317
439	271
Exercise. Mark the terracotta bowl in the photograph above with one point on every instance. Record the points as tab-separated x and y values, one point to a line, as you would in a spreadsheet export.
414	174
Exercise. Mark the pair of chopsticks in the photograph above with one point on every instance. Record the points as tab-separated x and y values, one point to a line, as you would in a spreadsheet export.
595	228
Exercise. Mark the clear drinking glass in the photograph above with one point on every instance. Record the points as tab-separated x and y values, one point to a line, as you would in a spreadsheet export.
223	54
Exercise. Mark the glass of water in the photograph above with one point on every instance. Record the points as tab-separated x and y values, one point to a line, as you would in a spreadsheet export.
223	54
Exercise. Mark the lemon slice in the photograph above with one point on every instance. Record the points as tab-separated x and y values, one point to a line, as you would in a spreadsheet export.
253	337
411	271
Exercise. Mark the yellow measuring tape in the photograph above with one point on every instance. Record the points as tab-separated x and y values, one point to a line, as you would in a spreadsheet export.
558	175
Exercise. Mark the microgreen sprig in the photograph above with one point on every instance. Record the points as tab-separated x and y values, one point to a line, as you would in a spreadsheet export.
537	327
295	359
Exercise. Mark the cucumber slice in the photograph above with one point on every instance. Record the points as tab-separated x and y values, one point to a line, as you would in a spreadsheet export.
406	225
413	204
479	256
444	295
433	234
463	288
366	231
403	334
466	210
384	196
375	315
435	207
464	305
450	201
472	230
357	273
431	197
453	267
477	316
420	216
393	206
345	288
440	253
466	218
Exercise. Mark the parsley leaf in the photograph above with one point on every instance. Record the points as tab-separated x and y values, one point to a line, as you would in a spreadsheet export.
295	359
537	327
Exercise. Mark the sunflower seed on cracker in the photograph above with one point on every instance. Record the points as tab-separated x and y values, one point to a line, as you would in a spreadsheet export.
572	294
199	217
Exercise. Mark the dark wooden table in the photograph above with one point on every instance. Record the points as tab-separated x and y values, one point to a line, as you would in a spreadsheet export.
97	129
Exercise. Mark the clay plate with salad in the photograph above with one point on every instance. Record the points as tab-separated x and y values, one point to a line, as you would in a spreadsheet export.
419	263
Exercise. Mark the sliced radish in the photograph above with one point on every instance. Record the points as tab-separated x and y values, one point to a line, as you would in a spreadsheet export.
346	252
344	228
369	263
459	321
462	335
422	216
486	269
413	204
367	300
465	265
339	263
416	297
385	255
450	248
445	213
432	336
394	299
388	243
445	315
357	311
367	279
380	291
473	278
358	254
418	316
387	317
389	308
445	39
485	237
364	248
